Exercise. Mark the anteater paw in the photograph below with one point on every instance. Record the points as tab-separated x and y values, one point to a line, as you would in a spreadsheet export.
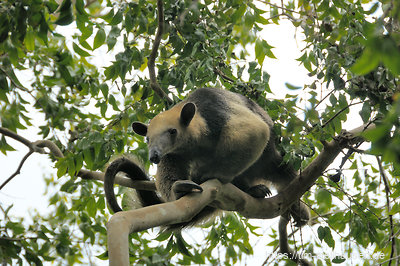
183	187
259	191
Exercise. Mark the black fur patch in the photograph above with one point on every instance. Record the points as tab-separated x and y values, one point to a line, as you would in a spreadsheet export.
212	106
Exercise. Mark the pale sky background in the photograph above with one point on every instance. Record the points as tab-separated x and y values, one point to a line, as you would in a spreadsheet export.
26	190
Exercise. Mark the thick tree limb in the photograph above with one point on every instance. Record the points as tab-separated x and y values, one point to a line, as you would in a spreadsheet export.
8	133
152	58
122	224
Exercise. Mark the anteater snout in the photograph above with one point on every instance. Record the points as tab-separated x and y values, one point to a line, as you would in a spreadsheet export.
155	156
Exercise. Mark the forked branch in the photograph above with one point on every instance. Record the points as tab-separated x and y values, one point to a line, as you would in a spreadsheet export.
38	146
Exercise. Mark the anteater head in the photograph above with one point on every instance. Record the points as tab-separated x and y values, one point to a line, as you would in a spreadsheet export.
169	131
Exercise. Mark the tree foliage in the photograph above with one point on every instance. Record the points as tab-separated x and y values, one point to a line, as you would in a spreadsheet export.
351	51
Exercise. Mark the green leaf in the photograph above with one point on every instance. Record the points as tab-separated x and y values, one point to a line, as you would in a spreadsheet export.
107	17
324	197
164	235
11	75
104	90
129	22
181	244
71	166
377	133
91	207
80	51
30	40
324	233
338	259
110	72
292	87
117	18
230	251
88	157
365	112
65	14
390	54
69	187
62	167
86	30
112	37
238	14
4	146
333	99
103	108
366	63
259	50
321	232
99	39
100	204
113	102
17	228
51	5
80	7
395	209
262	49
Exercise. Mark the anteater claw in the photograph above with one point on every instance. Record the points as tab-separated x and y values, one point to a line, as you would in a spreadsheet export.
259	191
183	187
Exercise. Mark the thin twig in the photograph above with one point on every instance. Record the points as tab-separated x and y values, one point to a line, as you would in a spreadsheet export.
387	192
323	99
89	3
280	7
18	171
152	58
338	113
389	260
223	76
13	81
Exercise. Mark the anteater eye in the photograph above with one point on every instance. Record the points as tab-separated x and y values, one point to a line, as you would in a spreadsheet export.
172	131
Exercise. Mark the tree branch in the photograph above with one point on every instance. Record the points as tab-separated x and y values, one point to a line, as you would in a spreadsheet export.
38	146
222	75
8	133
338	113
123	223
387	192
152	58
280	7
17	172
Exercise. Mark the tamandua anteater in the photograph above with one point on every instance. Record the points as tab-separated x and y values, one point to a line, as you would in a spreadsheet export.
213	133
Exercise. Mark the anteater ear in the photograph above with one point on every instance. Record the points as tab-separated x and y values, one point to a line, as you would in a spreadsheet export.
139	128
187	113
